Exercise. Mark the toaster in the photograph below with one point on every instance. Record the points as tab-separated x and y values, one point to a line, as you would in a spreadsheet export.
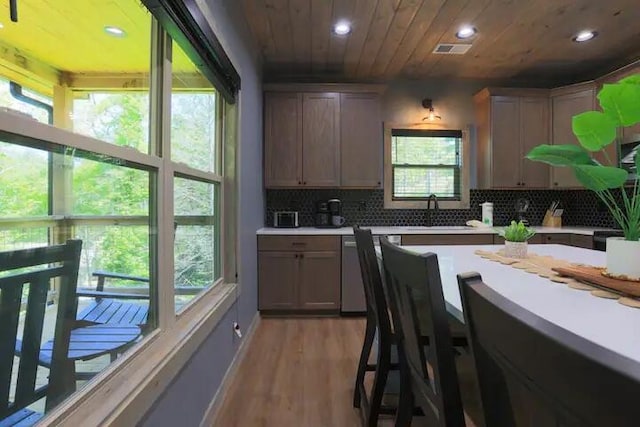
285	219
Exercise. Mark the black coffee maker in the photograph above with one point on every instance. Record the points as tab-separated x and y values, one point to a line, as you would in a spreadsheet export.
329	214
322	215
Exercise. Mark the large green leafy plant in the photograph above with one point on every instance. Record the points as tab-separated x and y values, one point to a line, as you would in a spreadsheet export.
620	104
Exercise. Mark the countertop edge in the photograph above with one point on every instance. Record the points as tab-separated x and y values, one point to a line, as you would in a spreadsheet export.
346	231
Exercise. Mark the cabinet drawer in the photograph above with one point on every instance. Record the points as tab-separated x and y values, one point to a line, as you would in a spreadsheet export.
536	239
299	243
447	239
557	239
582	241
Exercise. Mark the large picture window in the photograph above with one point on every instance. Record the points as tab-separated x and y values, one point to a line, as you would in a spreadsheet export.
89	133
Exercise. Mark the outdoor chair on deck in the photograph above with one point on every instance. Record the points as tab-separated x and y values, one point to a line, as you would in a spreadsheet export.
111	307
36	268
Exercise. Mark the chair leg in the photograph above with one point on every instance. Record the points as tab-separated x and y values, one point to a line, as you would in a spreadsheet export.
379	382
369	335
405	402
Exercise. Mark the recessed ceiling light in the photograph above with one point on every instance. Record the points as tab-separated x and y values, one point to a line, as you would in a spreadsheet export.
342	28
465	32
584	36
1	25
114	31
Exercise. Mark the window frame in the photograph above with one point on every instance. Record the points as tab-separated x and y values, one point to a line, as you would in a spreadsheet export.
124	391
391	202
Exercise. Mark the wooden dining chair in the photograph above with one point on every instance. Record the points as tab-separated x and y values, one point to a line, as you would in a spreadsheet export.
414	281
29	272
532	372
377	320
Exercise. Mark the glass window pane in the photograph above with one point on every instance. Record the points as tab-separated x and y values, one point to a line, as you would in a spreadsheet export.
104	202
12	102
424	150
197	238
94	71
23	190
194	120
421	182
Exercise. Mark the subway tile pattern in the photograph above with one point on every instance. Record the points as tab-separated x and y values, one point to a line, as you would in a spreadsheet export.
365	207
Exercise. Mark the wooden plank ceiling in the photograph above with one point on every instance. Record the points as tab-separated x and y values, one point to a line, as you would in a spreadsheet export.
517	39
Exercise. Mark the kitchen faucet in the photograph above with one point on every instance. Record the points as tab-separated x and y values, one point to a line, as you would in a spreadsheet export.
435	207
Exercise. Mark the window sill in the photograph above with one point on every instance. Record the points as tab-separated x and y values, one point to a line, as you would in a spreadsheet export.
123	393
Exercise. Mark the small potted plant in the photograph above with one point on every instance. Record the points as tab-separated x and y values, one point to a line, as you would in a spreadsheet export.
620	105
516	236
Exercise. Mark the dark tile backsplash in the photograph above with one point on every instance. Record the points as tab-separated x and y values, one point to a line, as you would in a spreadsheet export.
365	207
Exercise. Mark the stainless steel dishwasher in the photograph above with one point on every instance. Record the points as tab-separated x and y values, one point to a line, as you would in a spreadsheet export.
353	302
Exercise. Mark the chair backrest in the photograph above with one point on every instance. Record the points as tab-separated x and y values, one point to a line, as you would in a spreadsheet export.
413	283
533	372
36	268
372	281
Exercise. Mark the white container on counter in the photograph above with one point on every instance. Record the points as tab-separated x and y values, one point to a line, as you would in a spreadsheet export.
487	213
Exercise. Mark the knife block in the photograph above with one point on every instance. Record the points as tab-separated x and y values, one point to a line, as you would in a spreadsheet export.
551	221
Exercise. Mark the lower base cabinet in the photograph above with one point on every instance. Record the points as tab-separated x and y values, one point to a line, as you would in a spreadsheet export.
299	278
447	239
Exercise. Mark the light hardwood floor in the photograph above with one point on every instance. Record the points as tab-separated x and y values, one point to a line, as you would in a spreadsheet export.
298	372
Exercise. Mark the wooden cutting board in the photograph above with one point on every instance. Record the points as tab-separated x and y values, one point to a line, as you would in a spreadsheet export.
594	275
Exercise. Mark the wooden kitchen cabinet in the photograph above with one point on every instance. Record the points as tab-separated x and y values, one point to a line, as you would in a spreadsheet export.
582	241
447	239
282	139
301	139
566	103
556	239
510	123
319	274
360	141
321	140
298	273
535	240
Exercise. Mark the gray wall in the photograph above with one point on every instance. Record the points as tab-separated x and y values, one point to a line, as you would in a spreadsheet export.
187	398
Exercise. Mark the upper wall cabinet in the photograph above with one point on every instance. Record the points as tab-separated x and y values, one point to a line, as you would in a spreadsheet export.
322	139
566	103
511	122
360	140
282	139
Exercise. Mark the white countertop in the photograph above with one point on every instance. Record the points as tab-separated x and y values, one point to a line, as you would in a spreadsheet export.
311	231
602	321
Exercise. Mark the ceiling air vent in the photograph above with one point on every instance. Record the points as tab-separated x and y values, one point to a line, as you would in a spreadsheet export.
452	48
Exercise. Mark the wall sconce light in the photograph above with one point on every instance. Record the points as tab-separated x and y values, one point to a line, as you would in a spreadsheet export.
427	103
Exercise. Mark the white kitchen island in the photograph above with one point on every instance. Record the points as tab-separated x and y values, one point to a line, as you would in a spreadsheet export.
602	321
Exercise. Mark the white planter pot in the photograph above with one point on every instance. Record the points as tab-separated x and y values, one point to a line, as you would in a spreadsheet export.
623	258
515	249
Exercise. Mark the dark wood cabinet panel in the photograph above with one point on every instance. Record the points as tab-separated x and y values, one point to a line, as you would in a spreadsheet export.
360	141
319	281
582	241
510	122
564	107
282	139
557	239
536	239
447	239
505	139
299	273
298	243
534	130
278	278
321	140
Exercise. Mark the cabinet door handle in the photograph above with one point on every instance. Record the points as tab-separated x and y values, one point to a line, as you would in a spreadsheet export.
301	255
299	182
298	243
555	183
304	182
295	255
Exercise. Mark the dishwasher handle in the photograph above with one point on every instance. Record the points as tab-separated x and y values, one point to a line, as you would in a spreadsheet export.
349	244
